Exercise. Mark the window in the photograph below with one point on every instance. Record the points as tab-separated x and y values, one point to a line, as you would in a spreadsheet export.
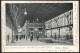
40	29
31	29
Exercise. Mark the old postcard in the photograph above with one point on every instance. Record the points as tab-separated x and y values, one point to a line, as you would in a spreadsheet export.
40	26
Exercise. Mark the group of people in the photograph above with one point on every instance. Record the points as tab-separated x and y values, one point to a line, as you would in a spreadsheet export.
31	37
19	37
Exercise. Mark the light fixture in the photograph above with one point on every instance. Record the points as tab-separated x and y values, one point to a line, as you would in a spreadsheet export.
40	32
19	26
36	29
37	19
25	12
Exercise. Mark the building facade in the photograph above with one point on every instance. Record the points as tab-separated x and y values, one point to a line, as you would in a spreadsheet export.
60	26
34	29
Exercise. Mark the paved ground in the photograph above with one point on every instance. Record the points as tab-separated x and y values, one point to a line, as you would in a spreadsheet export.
24	42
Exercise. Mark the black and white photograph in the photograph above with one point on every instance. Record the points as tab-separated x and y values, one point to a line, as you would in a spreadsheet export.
39	24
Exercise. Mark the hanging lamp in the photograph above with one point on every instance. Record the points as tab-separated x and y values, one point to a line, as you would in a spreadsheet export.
25	12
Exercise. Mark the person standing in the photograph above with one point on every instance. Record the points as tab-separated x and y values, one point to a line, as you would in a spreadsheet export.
31	38
26	37
16	37
37	37
23	36
8	37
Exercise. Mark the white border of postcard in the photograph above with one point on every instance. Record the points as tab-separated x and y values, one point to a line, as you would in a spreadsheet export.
45	48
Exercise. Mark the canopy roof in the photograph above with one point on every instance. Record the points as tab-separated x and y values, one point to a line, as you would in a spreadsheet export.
40	11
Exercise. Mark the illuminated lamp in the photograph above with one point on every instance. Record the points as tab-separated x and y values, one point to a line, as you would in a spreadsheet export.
19	26
25	12
36	29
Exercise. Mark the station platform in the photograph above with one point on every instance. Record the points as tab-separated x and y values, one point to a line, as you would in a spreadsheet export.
41	41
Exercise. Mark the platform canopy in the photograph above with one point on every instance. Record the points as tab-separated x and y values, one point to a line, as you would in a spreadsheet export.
41	12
